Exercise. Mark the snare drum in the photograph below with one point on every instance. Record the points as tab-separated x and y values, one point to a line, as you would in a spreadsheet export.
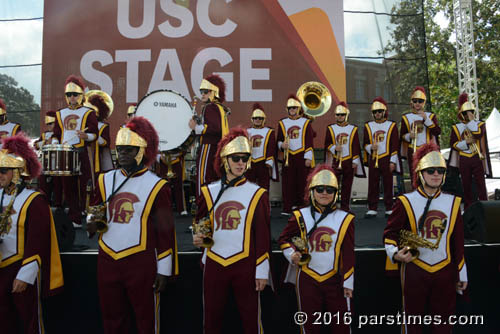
60	160
169	112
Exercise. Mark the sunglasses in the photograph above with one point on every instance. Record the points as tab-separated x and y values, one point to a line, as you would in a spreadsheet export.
4	170
70	94
340	115
321	189
204	91
417	100
432	170
237	158
258	118
290	108
378	111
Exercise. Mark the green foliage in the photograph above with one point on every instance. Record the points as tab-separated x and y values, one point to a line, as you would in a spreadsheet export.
441	57
21	106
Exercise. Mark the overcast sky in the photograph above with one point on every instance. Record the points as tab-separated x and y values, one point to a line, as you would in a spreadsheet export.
21	41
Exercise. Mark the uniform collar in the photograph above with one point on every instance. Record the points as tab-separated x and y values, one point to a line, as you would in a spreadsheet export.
424	194
239	182
134	174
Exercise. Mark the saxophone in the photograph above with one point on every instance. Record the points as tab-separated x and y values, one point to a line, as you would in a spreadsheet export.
96	213
301	246
413	241
5	222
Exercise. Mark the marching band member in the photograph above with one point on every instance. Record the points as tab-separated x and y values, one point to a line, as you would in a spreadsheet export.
380	141
418	127
132	108
102	104
76	125
7	128
295	139
30	265
263	141
343	152
49	184
139	248
431	258
326	281
239	257
177	177
214	126
469	151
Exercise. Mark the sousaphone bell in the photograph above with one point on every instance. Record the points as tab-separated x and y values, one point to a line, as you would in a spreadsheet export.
315	98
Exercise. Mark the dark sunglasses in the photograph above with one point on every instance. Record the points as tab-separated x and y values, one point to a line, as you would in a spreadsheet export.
258	118
4	170
378	111
340	114
289	108
417	100
69	94
237	158
204	91
321	189
432	170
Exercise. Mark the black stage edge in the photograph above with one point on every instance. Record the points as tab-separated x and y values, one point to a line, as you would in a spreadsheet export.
77	309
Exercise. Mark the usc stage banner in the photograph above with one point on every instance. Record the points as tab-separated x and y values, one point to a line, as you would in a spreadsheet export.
263	49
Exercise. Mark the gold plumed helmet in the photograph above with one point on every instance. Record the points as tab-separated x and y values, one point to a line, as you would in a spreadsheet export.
464	105
341	109
74	84
236	141
322	175
131	109
127	137
258	111
419	93
427	156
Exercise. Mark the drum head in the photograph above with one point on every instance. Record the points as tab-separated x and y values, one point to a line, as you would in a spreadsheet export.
169	112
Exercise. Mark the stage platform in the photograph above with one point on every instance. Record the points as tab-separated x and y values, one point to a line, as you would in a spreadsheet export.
375	293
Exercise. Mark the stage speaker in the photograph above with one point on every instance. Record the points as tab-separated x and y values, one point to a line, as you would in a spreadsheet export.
64	230
481	222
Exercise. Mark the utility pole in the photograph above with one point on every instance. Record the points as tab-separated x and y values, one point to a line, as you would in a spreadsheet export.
466	62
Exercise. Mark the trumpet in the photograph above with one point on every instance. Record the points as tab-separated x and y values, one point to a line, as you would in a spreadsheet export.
287	151
97	213
204	227
376	141
414	130
413	241
301	246
167	158
473	146
343	141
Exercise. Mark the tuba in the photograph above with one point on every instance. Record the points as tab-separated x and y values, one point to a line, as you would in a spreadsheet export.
105	96
315	98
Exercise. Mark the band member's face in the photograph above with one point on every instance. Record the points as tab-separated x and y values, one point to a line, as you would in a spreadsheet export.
5	176
257	121
322	196
435	179
205	95
417	104
50	127
238	163
293	111
73	99
378	114
340	118
126	155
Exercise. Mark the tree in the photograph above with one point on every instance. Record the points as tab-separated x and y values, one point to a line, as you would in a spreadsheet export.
21	106
441	56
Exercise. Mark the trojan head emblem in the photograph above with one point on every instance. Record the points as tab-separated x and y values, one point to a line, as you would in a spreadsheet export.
256	141
4	134
434	222
293	132
321	240
342	138
227	215
70	122
122	207
379	136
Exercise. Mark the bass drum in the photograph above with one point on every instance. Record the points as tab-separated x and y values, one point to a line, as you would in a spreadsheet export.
169	112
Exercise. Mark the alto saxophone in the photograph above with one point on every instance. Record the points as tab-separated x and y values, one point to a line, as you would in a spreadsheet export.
5	223
413	241
204	226
301	246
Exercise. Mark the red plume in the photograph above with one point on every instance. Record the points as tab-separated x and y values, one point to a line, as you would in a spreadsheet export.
315	171
214	79
257	106
76	80
342	103
20	145
381	100
233	133
421	152
2	105
146	130
98	102
464	97
50	113
420	88
292	96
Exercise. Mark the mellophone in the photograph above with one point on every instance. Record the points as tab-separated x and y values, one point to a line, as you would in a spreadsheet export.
60	160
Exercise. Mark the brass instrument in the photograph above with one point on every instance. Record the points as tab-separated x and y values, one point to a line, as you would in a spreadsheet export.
5	222
413	241
107	99
376	141
473	146
301	246
97	213
414	130
167	158
315	98
204	227
343	141
287	151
